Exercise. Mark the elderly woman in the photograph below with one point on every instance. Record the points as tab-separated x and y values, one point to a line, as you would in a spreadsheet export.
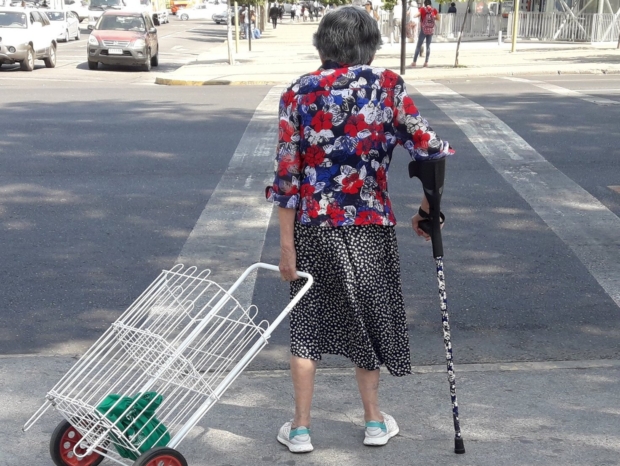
338	128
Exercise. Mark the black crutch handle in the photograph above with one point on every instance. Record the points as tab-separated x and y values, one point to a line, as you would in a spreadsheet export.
425	224
431	173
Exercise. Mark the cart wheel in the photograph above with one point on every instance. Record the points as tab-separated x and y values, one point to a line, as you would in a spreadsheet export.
64	438
161	456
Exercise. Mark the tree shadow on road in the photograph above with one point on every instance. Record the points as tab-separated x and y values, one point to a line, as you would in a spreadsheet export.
96	203
611	58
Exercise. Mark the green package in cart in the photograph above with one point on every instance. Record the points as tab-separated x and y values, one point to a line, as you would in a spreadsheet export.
139	424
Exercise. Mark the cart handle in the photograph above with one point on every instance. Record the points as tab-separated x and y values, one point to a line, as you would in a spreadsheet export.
247	358
291	304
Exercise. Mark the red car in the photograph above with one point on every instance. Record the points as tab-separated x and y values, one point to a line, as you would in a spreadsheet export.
123	38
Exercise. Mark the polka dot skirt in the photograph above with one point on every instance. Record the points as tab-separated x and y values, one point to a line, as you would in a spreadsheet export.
355	307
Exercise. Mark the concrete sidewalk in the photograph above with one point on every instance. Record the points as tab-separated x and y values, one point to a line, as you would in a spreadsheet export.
287	52
522	414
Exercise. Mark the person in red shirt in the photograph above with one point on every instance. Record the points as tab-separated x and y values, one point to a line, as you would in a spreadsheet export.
428	17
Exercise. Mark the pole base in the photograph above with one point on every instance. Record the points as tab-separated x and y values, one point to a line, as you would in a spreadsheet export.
459	446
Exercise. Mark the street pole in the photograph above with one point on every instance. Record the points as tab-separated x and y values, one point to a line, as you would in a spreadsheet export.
515	25
403	37
236	28
231	56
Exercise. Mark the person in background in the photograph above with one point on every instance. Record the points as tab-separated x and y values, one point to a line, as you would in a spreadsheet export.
338	127
244	18
413	21
452	9
293	11
369	9
428	17
274	14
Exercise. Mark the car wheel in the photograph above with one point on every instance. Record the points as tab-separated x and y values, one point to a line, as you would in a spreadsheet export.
50	62
93	65
184	17
147	63
155	59
78	34
66	38
28	63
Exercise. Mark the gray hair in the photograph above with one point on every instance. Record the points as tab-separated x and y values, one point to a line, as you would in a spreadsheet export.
348	35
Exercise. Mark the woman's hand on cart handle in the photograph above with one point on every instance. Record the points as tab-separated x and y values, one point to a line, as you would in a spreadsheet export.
288	264
288	257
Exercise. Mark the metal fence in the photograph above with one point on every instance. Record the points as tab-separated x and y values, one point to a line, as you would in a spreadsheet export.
555	26
476	26
561	26
448	26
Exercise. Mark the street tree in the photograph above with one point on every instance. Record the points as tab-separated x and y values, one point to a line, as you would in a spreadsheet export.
458	43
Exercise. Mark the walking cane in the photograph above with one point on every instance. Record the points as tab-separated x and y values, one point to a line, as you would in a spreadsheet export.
431	173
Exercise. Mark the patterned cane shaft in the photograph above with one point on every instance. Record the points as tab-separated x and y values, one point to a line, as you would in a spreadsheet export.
443	300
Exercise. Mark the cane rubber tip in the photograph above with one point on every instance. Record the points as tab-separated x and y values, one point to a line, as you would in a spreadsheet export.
459	446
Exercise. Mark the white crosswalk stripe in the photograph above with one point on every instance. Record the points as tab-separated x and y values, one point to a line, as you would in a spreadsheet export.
237	206
578	218
565	92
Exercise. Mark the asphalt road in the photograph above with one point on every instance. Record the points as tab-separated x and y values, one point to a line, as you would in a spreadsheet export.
105	176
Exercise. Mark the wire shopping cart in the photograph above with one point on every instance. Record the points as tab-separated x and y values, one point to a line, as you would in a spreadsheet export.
150	378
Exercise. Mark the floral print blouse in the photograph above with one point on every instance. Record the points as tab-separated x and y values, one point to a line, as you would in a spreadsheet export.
338	128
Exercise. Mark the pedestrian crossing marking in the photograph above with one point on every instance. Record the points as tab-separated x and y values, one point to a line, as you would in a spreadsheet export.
237	205
564	91
585	225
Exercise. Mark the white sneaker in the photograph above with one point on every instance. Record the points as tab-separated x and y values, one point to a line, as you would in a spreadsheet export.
297	440
379	433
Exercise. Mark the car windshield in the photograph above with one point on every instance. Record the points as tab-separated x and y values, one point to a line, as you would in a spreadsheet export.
104	4
55	15
13	19
121	23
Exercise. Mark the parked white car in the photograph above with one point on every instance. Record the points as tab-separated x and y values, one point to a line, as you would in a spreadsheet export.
79	7
66	23
202	11
27	35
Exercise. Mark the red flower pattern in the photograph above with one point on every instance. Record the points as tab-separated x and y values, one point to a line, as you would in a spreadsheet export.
381	178
322	120
314	156
336	165
352	183
368	217
307	190
308	99
354	125
420	139
336	214
288	97
286	131
363	146
409	106
313	208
